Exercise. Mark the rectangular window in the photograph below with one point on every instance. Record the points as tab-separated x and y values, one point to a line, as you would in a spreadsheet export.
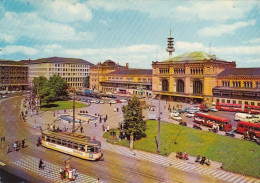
58	141
228	101
246	102
64	142
234	101
252	103
239	102
217	100
258	104
76	146
223	101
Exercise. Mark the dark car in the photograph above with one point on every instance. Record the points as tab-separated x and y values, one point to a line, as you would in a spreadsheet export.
182	111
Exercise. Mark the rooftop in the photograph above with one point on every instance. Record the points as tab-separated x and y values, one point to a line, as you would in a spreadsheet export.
240	72
57	60
9	62
132	72
193	56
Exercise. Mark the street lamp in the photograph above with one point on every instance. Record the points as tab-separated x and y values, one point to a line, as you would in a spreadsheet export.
159	127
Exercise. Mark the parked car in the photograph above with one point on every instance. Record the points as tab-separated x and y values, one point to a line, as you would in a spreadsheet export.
190	114
112	102
182	111
93	101
195	108
176	113
118	101
213	109
204	110
192	110
4	96
175	117
123	101
96	101
102	102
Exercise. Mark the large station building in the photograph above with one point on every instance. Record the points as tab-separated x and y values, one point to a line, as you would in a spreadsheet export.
13	76
73	70
187	77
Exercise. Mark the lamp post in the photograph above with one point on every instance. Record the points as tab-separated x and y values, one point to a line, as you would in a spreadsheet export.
159	127
132	136
73	120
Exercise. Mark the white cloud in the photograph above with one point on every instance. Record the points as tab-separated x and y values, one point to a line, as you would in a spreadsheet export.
218	30
253	41
198	10
31	26
7	38
63	11
182	46
19	49
238	50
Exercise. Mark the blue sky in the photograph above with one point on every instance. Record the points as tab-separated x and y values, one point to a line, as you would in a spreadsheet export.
129	31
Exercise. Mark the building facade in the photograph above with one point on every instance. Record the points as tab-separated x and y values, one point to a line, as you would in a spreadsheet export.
238	86
130	81
73	71
98	73
13	76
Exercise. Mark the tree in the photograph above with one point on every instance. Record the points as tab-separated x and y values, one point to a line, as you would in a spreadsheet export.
47	94
134	123
59	86
86	82
38	83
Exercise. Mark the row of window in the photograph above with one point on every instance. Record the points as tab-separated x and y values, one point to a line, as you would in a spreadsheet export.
68	74
70	70
74	79
196	71
75	84
247	84
163	71
179	71
70	65
237	102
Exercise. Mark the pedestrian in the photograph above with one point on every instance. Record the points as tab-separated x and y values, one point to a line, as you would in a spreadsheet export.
117	109
106	117
114	109
103	126
15	146
39	142
95	123
8	149
61	173
100	119
110	104
81	129
107	128
23	142
41	166
48	127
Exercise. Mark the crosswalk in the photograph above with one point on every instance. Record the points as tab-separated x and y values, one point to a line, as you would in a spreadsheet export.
51	171
180	164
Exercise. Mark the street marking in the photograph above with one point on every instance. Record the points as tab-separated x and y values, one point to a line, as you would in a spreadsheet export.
2	163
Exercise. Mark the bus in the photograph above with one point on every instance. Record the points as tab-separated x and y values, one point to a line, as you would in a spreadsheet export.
229	107
252	109
73	144
210	120
243	126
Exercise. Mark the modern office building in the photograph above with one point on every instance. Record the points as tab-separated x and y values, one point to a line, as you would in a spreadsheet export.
187	77
73	70
238	86
13	76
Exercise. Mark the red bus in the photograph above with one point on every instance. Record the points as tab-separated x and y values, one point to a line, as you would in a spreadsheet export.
229	107
242	127
252	109
210	120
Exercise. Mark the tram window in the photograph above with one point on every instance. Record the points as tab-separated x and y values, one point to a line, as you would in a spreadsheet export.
257	129
75	146
58	141
82	147
97	149
69	144
53	139
48	138
90	149
64	142
241	126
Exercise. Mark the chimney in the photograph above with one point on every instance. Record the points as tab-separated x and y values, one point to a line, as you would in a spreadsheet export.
127	65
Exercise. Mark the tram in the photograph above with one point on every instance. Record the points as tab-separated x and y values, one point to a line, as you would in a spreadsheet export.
73	144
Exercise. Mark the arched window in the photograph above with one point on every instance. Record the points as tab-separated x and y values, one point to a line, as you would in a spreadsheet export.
165	85
180	86
197	87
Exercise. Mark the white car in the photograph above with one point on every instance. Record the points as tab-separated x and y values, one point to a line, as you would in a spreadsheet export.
177	118
112	102
176	113
190	115
4	96
102	102
193	110
213	109
123	101
92	101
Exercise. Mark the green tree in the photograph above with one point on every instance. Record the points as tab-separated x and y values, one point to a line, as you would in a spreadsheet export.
134	123
47	94
38	83
58	85
86	82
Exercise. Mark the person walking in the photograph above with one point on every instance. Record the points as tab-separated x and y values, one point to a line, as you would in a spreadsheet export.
41	166
39	142
8	149
23	142
81	129
95	123
15	146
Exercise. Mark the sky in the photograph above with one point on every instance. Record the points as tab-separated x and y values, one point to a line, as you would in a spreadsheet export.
129	31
